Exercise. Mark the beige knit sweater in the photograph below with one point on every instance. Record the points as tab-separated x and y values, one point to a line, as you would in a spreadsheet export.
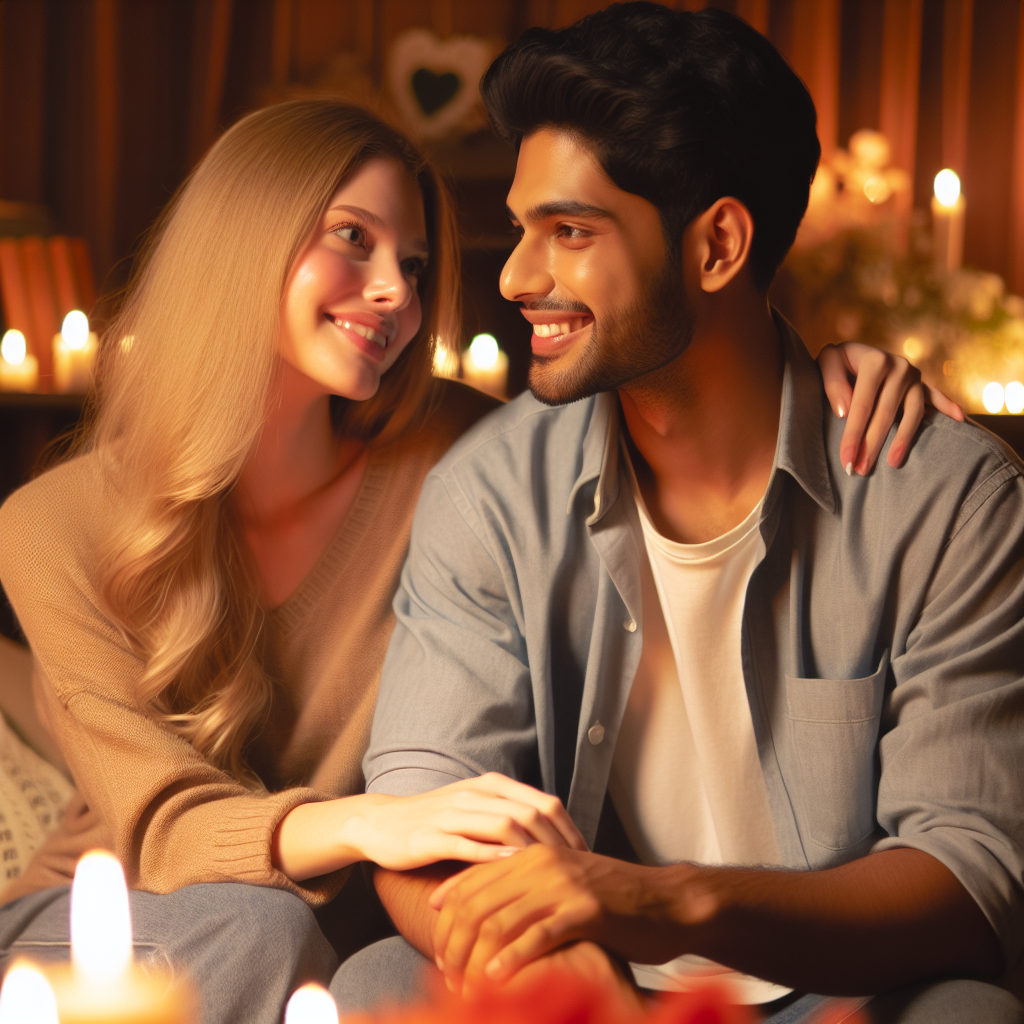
170	816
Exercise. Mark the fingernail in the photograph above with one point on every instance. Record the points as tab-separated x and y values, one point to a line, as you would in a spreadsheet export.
508	851
849	469
842	412
493	969
439	964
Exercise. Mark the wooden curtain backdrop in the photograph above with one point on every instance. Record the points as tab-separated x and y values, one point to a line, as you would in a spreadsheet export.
105	104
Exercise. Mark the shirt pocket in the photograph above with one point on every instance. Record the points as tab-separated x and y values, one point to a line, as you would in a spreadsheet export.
835	726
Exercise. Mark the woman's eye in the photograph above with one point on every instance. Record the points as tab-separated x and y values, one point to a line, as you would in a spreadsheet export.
352	234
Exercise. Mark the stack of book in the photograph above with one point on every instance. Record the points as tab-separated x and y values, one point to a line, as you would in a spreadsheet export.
41	281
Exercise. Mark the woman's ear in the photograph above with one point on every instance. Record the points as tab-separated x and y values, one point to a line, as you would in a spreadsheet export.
721	236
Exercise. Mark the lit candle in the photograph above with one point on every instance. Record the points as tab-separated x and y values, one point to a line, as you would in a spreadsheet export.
948	208
1014	397
310	1004
102	985
26	996
18	370
485	366
992	397
74	354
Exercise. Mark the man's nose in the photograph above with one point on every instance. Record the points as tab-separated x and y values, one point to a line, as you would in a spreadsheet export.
526	275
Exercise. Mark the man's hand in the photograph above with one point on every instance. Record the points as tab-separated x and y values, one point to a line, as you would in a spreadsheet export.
495	919
887	920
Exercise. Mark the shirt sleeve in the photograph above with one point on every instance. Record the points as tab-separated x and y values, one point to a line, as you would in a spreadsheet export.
952	750
171	817
456	696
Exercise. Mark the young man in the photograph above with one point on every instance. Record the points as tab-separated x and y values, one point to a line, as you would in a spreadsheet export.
656	591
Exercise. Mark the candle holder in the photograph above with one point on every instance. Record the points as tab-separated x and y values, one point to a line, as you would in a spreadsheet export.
948	214
485	366
74	354
19	371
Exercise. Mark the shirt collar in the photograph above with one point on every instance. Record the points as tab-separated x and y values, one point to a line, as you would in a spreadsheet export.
800	449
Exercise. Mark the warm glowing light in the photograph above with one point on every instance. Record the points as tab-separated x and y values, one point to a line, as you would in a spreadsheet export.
913	348
311	1004
446	362
877	189
101	927
75	330
947	187
1014	397
13	347
483	351
992	397
26	997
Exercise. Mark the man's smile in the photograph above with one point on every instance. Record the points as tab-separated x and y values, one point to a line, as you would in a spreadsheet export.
554	330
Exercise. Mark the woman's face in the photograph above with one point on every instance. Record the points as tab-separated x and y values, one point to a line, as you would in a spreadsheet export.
351	303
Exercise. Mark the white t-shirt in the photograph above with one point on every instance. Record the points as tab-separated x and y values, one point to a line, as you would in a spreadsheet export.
686	780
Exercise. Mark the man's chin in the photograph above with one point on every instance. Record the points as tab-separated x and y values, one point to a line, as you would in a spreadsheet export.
554	386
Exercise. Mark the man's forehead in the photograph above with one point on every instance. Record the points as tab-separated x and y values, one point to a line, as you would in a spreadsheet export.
557	173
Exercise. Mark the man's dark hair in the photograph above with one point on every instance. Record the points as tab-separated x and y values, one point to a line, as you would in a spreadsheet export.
680	108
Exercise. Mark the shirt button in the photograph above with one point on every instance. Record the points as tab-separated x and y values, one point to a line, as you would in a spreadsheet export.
629	626
596	734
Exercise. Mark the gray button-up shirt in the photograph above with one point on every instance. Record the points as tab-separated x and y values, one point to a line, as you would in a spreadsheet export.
882	640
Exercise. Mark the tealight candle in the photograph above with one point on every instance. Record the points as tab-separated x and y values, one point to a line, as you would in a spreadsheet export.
19	371
948	209
102	985
485	366
74	354
310	1004
26	996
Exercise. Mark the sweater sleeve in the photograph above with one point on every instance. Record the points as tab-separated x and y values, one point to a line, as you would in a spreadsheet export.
171	817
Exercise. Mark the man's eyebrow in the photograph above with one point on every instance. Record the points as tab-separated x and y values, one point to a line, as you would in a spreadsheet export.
562	208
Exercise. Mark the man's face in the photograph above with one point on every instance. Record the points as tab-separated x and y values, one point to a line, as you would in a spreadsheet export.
592	272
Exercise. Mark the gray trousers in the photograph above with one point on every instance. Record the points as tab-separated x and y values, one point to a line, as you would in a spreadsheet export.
391	970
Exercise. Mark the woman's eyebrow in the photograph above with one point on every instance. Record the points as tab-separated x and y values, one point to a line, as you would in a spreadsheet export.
371	218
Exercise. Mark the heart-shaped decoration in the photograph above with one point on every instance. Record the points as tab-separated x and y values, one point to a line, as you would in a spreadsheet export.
436	83
432	91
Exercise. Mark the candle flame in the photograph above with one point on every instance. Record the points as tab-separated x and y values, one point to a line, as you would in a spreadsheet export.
992	397
311	1004
1014	396
101	927
26	997
483	351
75	329
947	188
13	347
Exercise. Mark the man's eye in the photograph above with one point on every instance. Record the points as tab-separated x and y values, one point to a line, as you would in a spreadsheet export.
351	233
415	267
568	231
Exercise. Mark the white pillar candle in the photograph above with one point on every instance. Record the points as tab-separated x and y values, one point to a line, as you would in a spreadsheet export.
102	985
485	366
948	210
74	354
18	370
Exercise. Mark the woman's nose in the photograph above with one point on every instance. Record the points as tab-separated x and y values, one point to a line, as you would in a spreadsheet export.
387	283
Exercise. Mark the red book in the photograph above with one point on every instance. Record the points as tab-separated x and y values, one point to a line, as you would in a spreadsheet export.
83	274
17	312
63	276
43	304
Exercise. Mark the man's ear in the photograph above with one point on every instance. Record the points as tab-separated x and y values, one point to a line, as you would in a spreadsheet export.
720	238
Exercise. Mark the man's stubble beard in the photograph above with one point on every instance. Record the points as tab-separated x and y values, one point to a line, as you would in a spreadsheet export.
630	344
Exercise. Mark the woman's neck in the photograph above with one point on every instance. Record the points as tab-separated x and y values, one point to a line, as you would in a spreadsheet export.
299	454
297	487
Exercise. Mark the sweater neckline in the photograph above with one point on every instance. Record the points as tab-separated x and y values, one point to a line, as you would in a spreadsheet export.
341	549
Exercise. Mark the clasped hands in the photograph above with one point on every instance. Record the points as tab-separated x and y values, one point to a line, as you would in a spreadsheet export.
496	919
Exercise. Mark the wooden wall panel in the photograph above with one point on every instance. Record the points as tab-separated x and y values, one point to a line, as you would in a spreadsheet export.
1016	268
986	181
322	28
901	63
860	66
958	25
814	54
22	80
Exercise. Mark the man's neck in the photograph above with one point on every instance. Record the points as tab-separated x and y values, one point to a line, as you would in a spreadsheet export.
702	430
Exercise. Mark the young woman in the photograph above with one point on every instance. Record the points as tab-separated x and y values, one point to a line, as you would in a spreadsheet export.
207	586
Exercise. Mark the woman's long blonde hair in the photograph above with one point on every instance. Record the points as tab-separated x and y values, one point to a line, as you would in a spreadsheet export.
183	389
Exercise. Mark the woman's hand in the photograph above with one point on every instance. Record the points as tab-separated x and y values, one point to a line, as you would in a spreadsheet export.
883	381
477	820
